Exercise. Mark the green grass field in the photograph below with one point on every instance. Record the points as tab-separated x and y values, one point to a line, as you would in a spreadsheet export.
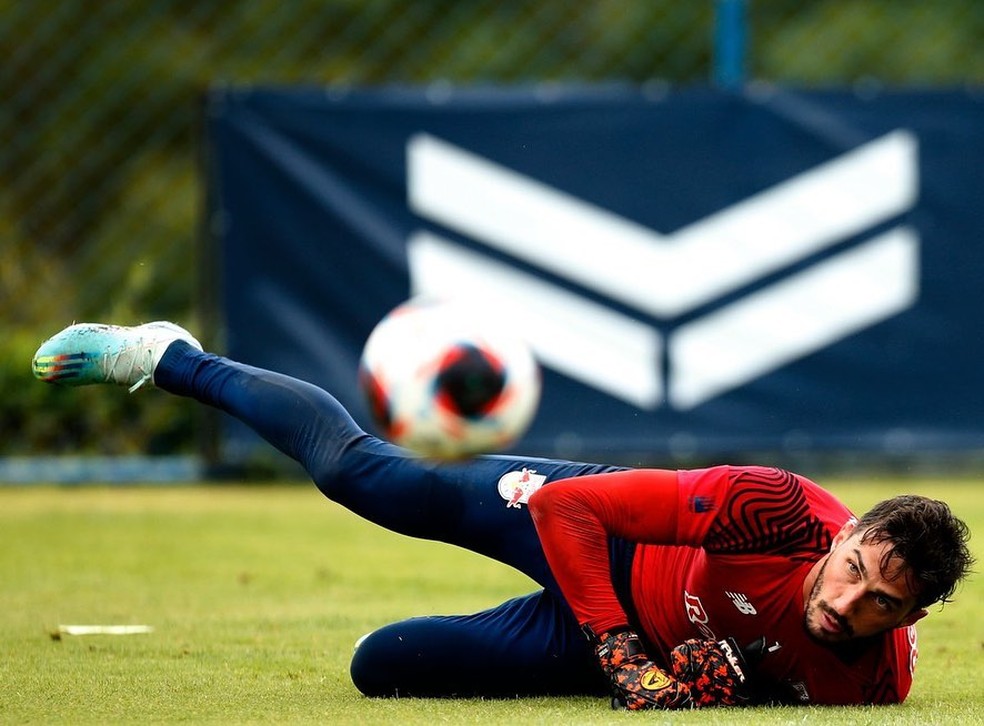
256	595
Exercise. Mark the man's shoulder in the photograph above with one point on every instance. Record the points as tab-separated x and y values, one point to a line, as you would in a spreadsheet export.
775	511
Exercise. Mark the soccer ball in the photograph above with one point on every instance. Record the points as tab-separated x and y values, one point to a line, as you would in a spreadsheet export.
447	381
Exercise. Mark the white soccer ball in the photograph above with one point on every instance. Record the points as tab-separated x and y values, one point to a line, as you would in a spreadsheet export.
445	380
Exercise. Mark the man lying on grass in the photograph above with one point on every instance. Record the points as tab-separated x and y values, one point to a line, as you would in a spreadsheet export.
713	587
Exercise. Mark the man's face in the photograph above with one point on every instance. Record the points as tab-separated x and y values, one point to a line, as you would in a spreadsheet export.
852	597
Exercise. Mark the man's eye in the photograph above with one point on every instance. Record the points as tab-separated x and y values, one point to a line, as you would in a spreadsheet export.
853	568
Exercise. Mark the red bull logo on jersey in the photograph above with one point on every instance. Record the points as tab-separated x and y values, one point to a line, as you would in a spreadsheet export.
516	487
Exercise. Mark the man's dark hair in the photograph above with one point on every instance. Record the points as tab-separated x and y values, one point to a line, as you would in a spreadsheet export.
930	542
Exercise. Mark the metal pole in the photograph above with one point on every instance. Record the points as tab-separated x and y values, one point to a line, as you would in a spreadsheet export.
730	33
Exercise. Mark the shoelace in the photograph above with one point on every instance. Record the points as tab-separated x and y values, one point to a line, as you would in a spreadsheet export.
111	360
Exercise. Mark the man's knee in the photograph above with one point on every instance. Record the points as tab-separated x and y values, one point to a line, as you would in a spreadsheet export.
417	657
374	664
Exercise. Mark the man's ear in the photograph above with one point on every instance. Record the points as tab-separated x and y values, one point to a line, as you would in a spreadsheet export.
846	531
913	617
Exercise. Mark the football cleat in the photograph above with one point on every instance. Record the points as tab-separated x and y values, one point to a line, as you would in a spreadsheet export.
87	353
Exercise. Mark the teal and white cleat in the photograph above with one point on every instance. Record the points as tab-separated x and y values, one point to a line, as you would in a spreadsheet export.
88	353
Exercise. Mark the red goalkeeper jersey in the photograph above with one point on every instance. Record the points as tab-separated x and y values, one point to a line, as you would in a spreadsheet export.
719	552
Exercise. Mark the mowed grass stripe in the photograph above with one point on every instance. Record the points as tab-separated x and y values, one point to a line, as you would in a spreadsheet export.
257	593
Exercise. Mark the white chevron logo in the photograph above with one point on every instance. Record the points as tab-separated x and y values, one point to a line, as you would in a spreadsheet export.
666	275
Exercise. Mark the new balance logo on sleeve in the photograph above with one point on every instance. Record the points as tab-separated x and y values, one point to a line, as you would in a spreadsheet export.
742	602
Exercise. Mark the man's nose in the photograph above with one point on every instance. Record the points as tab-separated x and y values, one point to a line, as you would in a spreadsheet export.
847	600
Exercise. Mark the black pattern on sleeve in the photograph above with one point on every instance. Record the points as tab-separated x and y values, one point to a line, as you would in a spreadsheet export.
767	512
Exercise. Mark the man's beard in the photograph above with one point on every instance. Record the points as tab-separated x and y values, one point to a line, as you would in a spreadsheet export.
815	604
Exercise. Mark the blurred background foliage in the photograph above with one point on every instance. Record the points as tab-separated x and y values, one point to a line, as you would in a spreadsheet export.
101	191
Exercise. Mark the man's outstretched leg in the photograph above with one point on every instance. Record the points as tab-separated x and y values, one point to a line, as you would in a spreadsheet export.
530	645
297	418
456	503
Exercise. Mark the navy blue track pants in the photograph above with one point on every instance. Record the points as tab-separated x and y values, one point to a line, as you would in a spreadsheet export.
530	645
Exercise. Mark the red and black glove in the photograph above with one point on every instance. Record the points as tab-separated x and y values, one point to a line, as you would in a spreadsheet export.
715	671
637	682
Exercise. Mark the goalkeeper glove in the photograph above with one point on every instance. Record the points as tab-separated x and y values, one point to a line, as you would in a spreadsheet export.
637	683
715	671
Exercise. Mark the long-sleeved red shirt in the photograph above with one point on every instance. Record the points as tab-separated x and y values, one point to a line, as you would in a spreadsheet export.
721	552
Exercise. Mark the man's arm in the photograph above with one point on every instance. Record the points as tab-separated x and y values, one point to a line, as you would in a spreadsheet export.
575	517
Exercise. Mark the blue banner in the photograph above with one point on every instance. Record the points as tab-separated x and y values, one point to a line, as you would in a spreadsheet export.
701	273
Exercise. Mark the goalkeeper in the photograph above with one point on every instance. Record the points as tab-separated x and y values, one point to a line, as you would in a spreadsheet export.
719	586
